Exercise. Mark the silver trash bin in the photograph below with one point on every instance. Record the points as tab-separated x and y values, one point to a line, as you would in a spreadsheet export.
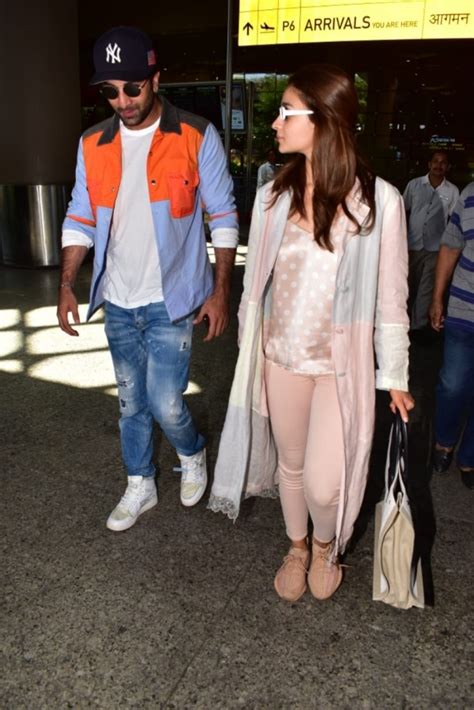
30	224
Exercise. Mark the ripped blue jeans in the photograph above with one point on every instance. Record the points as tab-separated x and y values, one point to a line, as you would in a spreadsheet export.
151	361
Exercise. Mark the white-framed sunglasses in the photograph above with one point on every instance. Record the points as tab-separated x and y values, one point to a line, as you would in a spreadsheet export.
283	112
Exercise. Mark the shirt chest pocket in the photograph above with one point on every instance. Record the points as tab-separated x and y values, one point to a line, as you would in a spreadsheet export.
102	192
182	192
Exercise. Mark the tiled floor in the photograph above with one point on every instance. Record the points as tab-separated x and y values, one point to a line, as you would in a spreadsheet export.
180	611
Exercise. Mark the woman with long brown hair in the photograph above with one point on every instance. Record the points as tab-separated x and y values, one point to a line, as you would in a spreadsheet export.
325	285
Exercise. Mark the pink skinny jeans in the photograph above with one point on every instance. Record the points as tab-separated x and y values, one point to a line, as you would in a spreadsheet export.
307	427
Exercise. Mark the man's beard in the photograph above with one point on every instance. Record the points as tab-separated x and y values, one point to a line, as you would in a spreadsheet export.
139	116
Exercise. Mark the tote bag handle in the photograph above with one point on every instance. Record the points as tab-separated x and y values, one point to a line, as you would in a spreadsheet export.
397	455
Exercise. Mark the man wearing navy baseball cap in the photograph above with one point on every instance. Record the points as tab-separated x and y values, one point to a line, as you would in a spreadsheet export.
142	179
126	51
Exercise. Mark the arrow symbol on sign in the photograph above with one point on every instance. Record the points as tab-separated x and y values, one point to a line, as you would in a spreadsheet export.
247	28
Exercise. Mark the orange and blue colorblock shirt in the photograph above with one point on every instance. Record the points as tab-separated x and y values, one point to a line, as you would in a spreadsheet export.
186	171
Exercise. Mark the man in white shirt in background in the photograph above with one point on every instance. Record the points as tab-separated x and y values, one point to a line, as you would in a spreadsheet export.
429	202
142	177
267	170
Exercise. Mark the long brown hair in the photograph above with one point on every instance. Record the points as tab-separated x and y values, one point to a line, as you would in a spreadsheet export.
336	163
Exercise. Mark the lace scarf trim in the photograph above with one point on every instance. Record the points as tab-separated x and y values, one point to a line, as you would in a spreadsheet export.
229	508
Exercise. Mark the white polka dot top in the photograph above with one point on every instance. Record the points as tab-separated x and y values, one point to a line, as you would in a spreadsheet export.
299	335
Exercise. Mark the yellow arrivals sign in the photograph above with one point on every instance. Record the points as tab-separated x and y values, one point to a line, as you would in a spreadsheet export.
297	21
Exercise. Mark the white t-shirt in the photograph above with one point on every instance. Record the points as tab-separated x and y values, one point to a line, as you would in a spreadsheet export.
132	276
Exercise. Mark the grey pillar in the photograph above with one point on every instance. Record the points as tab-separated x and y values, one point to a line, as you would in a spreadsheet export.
39	126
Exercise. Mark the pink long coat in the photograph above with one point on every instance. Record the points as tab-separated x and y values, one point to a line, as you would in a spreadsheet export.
369	314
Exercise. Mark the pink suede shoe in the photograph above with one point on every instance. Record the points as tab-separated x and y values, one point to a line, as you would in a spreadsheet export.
325	574
290	580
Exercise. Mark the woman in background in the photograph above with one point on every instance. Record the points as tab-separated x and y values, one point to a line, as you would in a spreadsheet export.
325	285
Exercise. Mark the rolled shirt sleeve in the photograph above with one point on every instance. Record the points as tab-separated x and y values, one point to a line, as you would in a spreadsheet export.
72	238
391	321
217	192
225	237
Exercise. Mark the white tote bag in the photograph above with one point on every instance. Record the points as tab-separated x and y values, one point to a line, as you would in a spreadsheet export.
397	580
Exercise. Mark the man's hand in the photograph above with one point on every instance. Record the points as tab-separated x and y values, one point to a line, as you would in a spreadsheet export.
436	314
216	309
403	401
216	312
71	259
67	303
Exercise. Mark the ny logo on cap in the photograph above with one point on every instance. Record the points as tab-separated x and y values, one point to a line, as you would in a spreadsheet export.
113	53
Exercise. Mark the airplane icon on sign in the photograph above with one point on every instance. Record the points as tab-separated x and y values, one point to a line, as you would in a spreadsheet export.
267	27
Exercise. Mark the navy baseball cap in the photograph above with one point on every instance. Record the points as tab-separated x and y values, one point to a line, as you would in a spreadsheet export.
124	54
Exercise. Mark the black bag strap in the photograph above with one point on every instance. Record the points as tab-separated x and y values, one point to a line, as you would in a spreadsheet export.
398	449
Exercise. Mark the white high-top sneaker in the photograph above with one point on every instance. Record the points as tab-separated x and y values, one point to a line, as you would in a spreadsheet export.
193	477
139	496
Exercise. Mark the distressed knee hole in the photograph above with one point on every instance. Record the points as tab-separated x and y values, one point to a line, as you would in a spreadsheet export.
125	386
125	383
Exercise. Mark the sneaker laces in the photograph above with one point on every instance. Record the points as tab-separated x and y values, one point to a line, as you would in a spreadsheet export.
192	470
131	500
324	554
294	560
